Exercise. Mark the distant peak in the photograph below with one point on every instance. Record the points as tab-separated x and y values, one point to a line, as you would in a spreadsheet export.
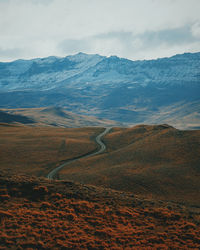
113	57
83	56
52	109
79	55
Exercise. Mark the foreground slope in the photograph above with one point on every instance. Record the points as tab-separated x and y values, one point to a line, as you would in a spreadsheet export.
154	161
39	214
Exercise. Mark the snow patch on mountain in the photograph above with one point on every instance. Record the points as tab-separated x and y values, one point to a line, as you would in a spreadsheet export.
95	70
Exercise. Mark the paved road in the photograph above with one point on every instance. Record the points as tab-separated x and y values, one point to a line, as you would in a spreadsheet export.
98	140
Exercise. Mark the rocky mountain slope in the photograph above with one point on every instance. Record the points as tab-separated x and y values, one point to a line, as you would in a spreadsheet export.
166	89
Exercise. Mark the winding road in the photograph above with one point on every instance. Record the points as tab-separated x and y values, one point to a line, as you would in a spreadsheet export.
102	148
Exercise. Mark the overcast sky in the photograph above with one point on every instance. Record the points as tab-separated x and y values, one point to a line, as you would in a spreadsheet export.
134	29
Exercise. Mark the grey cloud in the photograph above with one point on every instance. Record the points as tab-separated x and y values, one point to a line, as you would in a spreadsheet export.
122	35
127	28
13	53
172	37
43	2
72	46
129	43
151	38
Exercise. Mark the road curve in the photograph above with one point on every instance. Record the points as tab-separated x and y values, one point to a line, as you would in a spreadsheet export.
102	148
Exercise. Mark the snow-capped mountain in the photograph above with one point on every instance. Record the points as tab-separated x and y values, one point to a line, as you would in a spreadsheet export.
44	73
110	87
80	69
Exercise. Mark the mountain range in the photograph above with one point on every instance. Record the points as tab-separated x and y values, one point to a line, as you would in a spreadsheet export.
165	90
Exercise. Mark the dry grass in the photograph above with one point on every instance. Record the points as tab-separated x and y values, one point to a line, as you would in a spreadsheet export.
37	150
152	161
157	162
38	214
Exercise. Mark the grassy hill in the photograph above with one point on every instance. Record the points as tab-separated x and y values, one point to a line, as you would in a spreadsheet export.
153	161
51	116
37	150
14	118
158	162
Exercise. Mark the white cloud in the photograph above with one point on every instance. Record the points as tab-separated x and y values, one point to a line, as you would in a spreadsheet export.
37	28
196	30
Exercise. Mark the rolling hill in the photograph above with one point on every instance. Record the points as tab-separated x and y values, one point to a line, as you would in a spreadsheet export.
51	116
5	117
156	161
37	150
145	191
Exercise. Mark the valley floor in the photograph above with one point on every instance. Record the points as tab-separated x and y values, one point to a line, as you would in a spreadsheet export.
154	168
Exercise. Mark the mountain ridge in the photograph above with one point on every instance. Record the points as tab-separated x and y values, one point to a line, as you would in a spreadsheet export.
107	87
71	62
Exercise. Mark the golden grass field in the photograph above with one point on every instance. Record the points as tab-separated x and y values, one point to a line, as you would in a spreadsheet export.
37	150
158	162
153	161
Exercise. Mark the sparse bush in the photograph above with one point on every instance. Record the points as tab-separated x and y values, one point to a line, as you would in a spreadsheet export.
39	192
61	223
4	197
56	196
5	214
45	205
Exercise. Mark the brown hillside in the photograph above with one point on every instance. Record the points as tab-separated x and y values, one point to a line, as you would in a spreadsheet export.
153	161
53	117
13	118
37	150
41	214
